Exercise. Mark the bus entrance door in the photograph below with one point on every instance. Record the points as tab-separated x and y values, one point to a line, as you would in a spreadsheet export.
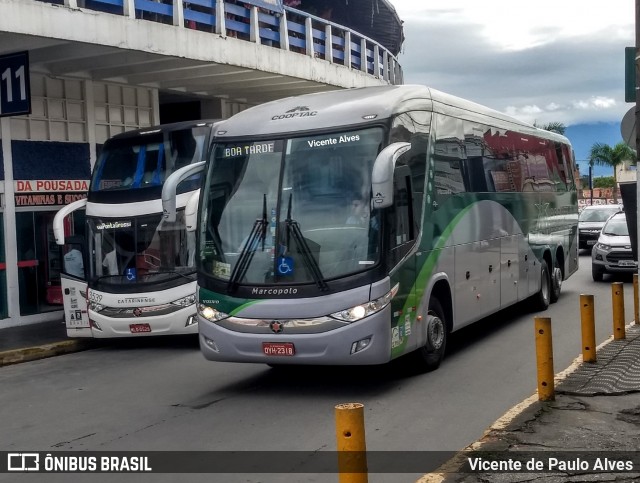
74	288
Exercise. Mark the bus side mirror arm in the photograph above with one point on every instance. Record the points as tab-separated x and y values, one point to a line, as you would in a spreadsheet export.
170	188
191	211
382	174
58	219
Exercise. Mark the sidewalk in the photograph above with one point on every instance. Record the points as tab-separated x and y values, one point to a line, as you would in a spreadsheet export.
596	414
36	341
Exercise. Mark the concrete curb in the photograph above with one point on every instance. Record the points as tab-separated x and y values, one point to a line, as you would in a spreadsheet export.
528	410
27	354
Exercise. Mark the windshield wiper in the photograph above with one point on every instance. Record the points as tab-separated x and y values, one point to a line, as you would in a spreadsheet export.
258	233
312	265
189	276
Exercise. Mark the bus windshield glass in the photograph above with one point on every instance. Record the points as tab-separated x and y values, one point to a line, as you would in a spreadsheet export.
292	210
141	249
146	160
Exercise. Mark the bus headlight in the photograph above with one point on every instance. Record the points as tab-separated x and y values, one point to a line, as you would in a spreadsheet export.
361	311
185	301
210	313
95	307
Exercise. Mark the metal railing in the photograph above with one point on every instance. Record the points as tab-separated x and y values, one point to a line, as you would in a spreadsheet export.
293	30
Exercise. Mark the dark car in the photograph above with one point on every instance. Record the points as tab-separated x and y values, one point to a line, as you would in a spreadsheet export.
591	221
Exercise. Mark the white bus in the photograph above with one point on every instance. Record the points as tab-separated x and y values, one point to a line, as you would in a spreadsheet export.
133	274
357	226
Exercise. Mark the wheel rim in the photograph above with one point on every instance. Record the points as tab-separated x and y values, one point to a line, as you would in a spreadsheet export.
545	285
557	278
435	332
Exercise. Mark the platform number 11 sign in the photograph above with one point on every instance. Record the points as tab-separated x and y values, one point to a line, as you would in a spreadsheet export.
15	98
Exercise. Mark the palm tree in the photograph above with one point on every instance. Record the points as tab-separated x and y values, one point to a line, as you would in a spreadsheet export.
604	155
556	127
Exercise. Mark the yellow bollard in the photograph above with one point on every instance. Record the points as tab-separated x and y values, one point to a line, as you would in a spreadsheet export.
544	358
587	320
636	303
617	299
352	449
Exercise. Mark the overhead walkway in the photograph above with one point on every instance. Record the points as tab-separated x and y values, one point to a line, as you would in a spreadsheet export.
206	48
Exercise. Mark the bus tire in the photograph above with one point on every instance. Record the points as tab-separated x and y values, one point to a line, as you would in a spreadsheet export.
556	285
429	356
542	299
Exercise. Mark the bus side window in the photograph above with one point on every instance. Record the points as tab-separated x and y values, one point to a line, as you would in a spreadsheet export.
401	224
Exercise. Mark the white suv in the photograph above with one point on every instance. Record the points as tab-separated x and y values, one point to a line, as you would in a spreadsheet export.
591	221
612	252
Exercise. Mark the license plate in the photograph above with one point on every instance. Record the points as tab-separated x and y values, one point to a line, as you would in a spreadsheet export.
137	328
278	349
627	263
591	242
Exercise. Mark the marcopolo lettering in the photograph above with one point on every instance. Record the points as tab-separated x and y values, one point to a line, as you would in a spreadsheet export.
274	291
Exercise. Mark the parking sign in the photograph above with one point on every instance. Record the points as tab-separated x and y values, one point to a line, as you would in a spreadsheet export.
15	96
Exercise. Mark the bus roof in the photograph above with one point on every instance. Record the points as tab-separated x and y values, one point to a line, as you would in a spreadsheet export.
347	107
175	126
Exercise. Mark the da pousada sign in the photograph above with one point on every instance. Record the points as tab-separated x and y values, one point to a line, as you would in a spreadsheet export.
49	192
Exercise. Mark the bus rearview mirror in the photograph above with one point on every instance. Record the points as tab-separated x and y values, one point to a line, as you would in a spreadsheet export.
382	174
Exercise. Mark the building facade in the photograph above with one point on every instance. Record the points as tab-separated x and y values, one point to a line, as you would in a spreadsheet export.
99	68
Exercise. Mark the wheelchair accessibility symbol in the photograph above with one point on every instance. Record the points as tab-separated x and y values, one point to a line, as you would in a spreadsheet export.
285	265
130	273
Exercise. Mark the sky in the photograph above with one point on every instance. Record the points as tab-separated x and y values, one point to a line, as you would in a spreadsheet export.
542	61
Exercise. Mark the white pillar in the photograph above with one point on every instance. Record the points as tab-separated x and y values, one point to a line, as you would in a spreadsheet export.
284	31
178	13
308	33
13	296
328	44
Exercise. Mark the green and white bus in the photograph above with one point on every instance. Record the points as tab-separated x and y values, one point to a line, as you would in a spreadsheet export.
357	226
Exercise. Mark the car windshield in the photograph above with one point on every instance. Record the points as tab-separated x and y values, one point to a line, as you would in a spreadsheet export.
616	226
597	215
290	210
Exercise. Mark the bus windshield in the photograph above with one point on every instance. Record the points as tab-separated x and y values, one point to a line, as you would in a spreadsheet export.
294	210
146	160
139	249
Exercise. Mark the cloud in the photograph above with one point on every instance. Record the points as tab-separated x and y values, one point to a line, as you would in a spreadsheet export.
566	67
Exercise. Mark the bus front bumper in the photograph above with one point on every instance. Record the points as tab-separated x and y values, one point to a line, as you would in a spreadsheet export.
183	321
335	347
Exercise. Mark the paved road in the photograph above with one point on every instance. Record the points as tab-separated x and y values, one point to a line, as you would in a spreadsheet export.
162	395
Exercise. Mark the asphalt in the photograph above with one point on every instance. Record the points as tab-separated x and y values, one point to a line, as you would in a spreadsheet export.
592	423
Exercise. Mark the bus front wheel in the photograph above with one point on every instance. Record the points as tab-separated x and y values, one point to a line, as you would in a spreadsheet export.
429	356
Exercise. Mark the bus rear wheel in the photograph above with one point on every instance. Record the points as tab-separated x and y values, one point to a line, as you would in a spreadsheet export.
429	356
556	284
542	299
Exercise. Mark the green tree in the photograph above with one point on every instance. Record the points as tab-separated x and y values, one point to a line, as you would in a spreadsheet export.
604	155
604	182
556	127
